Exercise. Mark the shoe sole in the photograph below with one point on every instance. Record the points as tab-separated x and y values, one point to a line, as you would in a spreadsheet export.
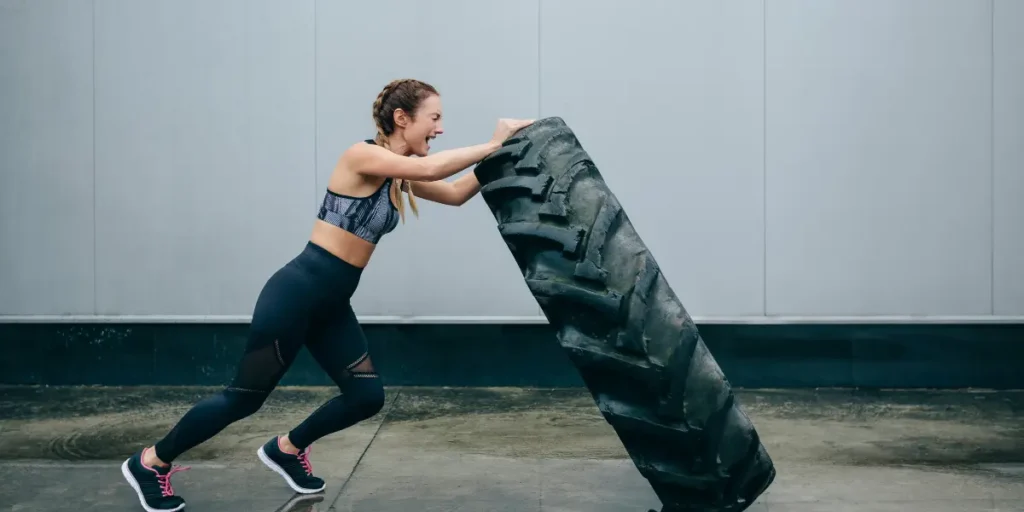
138	490
279	470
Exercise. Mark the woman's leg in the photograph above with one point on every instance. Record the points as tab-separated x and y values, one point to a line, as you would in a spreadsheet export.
278	331
261	368
340	348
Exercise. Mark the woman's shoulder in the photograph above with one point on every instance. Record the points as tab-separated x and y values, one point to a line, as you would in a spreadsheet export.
359	154
360	146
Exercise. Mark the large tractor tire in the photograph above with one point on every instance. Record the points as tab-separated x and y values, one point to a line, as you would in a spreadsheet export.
635	346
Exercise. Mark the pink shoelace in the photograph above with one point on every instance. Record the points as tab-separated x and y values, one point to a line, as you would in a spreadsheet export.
165	480
304	459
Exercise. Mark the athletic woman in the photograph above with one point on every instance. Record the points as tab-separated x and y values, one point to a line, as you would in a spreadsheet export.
306	302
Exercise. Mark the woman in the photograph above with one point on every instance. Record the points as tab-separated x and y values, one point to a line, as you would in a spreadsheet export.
306	302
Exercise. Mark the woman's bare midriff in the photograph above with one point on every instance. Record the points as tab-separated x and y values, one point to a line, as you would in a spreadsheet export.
350	248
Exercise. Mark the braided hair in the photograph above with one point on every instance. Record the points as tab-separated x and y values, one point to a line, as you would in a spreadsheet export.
405	94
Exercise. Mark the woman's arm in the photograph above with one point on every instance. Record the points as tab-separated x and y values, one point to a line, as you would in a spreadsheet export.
451	193
374	160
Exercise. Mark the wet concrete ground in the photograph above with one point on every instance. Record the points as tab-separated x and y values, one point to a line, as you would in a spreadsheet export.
514	450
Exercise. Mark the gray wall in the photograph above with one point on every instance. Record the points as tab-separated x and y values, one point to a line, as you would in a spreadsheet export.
816	158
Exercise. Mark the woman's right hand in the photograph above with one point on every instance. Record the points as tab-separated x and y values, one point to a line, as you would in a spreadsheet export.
507	127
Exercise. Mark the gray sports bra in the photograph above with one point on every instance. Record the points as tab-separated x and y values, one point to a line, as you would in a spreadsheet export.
369	217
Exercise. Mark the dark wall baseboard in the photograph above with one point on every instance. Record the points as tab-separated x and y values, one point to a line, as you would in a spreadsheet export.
807	355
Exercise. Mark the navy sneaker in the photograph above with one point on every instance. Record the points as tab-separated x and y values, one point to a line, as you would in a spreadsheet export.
152	484
296	469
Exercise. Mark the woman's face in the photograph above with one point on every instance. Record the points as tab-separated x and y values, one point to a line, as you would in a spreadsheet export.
425	125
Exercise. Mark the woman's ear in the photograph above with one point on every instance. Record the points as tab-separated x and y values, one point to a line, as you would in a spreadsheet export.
401	118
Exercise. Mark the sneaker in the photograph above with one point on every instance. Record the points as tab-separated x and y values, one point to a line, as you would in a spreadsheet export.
152	484
296	469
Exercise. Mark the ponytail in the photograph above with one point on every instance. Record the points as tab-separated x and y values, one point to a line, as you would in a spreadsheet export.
398	185
382	117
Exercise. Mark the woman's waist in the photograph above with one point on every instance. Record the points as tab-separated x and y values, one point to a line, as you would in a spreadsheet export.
341	244
327	272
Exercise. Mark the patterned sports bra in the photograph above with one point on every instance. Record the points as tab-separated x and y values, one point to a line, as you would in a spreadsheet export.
369	217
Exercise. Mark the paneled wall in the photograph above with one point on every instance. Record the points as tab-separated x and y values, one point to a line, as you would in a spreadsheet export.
781	158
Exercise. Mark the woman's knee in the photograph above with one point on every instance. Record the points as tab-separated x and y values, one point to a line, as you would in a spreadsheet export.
365	394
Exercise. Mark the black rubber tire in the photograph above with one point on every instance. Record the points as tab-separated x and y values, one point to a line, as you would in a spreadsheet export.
635	346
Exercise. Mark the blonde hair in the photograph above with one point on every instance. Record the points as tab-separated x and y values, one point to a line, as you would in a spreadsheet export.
405	94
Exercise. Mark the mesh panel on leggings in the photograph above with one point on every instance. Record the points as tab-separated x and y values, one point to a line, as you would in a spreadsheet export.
260	369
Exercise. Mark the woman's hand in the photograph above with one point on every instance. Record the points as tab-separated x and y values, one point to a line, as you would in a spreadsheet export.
507	127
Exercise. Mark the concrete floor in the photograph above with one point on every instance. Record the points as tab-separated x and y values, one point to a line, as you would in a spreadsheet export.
512	450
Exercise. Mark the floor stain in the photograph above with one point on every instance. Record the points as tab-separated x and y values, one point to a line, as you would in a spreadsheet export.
848	427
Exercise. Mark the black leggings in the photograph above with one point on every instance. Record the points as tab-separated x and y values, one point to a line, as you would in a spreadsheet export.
305	303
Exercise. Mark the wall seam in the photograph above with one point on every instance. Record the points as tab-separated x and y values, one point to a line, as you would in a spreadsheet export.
316	119
764	157
539	56
992	158
95	264
846	320
540	9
